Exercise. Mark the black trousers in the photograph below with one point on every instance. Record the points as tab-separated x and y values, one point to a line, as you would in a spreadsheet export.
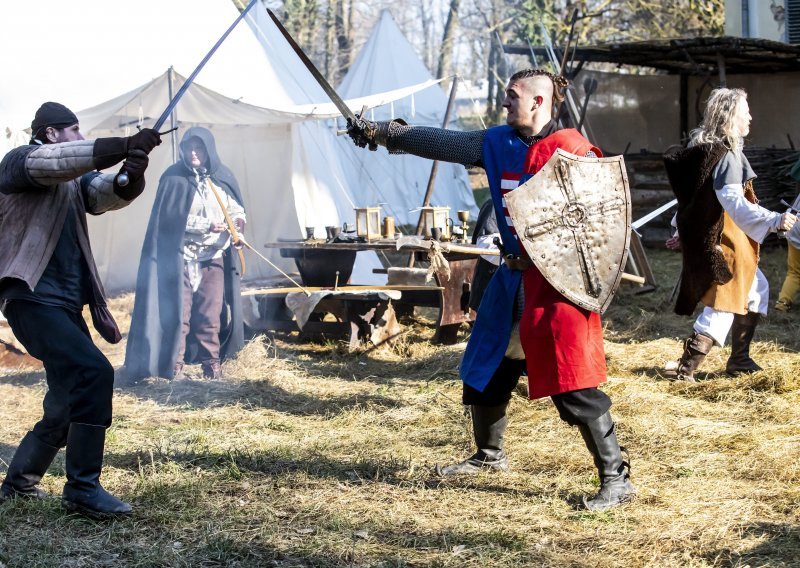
574	407
80	380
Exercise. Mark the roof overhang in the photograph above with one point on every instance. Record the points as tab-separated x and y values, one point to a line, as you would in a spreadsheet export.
694	56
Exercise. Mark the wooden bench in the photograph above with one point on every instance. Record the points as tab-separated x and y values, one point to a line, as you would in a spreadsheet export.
362	313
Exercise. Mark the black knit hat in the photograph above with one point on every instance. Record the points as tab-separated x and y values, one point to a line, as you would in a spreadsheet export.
52	114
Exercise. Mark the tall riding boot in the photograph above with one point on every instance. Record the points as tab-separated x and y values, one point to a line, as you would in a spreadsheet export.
83	492
29	464
615	485
488	425
742	330
695	349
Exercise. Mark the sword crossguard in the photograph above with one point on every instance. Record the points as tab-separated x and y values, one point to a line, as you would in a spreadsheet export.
362	132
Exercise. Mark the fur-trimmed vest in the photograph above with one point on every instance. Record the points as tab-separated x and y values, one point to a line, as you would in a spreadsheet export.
719	260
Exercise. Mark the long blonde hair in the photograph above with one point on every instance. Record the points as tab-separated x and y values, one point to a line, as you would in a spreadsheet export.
717	124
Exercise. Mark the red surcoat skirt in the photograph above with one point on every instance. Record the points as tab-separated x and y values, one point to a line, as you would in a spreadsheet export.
563	343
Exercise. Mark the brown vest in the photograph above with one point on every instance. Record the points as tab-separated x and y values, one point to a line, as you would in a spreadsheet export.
719	260
741	255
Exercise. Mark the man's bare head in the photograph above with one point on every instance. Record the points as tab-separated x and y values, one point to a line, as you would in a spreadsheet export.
529	99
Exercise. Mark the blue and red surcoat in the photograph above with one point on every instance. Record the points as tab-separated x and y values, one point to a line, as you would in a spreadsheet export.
563	343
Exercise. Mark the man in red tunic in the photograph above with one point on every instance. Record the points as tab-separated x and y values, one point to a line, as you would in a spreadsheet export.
522	318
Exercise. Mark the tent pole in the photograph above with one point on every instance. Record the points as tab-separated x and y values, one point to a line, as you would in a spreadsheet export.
435	167
173	138
723	78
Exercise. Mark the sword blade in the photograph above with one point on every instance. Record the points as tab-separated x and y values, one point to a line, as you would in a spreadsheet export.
332	95
653	214
188	83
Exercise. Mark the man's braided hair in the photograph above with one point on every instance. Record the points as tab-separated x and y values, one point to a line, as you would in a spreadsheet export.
560	83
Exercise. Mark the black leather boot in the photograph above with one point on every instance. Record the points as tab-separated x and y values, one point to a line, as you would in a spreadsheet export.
742	331
488	426
29	464
615	485
695	349
83	492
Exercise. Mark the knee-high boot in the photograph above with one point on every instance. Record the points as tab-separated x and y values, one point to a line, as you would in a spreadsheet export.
615	485
742	331
27	467
488	426
83	492
695	349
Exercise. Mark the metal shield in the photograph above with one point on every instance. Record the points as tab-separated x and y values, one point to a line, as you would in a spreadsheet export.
574	219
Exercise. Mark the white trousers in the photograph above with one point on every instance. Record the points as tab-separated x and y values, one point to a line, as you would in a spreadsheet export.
717	324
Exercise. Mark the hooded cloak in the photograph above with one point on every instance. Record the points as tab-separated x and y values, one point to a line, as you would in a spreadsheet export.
155	330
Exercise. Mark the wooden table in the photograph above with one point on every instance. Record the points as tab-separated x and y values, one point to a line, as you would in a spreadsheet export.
318	261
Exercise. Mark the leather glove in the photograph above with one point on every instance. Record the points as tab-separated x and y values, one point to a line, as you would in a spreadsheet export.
362	132
239	222
134	165
145	140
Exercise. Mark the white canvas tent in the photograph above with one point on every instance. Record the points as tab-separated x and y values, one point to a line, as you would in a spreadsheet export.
268	156
289	168
112	55
388	61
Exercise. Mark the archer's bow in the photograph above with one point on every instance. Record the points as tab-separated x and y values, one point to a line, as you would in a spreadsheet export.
236	239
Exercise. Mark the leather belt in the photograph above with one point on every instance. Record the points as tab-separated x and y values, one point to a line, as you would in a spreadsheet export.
517	262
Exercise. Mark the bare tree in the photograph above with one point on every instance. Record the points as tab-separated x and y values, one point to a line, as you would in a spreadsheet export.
474	31
448	38
344	40
330	40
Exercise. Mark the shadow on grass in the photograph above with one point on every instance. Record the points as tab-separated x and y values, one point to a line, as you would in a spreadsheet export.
6	453
779	546
260	393
656	372
153	538
281	461
24	379
480	486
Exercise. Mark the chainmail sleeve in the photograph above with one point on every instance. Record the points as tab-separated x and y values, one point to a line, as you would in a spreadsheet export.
433	143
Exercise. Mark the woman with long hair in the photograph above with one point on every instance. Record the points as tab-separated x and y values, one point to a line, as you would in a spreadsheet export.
720	228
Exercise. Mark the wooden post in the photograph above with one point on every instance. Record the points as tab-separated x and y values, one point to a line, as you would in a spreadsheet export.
723	79
173	138
637	258
684	108
435	167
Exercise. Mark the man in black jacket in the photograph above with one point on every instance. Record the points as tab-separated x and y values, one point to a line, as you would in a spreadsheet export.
47	276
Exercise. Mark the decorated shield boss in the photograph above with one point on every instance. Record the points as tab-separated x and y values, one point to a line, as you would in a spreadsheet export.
574	220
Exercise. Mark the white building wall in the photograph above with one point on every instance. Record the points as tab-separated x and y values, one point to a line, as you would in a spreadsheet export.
764	19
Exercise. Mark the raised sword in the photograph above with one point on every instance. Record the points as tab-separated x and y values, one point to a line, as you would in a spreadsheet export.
122	178
329	90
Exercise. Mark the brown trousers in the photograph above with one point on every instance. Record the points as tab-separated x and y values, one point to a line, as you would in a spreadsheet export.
202	310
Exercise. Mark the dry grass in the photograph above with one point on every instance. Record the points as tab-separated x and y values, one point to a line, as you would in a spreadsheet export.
309	456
